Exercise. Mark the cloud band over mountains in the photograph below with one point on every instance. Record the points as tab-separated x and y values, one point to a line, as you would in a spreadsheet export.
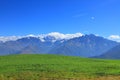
55	35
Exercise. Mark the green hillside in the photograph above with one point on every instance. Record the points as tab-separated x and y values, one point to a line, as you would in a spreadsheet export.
54	67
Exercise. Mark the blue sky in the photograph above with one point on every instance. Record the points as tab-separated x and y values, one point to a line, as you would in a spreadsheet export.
22	17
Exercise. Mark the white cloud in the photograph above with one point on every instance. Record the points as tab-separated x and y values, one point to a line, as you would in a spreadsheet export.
58	35
69	36
114	38
8	38
31	35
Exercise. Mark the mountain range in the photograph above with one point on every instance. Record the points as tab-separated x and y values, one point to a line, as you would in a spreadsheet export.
56	43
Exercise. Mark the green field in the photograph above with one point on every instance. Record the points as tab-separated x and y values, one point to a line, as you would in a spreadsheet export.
54	67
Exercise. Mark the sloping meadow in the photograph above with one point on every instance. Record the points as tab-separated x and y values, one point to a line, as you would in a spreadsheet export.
52	67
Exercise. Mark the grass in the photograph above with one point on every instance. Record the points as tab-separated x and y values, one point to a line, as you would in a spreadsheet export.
54	67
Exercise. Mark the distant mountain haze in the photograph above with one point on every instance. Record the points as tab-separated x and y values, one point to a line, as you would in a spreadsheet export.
113	53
